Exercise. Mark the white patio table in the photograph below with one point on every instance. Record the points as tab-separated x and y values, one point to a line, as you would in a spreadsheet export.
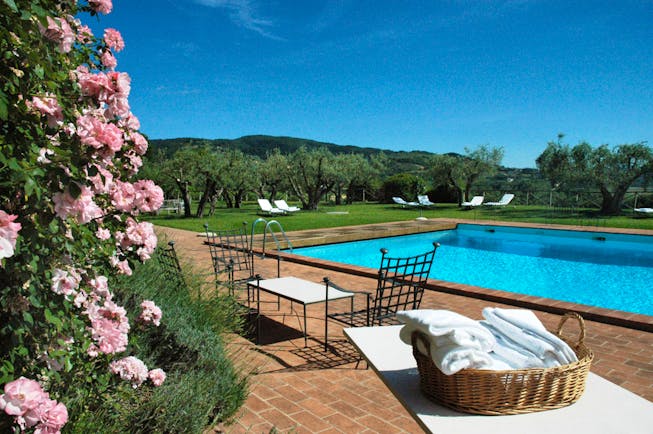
299	291
604	407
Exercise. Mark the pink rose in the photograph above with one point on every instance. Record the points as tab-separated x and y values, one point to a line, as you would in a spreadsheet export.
108	60
59	31
99	135
130	369
122	196
121	82
109	327
102	6
157	376
113	39
98	85
82	209
100	287
51	416
84	34
64	282
151	313
131	122
140	143
149	196
49	106
8	234
21	396
103	234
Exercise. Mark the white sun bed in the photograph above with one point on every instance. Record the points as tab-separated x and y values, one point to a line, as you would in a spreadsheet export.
505	200
476	201
604	407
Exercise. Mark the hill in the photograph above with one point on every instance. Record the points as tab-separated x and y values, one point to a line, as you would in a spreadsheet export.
260	145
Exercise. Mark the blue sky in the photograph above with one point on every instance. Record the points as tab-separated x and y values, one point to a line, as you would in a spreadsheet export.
436	76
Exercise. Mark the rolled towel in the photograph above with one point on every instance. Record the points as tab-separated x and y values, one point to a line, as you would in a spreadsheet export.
453	358
444	327
525	329
510	352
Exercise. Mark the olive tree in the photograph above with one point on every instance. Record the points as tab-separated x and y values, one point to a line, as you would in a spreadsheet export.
611	170
461	172
312	174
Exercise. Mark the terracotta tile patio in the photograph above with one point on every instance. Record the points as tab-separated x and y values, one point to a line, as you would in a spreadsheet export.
306	390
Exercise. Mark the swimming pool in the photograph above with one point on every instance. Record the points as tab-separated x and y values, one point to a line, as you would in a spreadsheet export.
613	271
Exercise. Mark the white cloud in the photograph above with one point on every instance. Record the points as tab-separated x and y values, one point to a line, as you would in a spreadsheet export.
243	13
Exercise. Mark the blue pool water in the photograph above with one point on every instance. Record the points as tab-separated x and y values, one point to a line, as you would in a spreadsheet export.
613	271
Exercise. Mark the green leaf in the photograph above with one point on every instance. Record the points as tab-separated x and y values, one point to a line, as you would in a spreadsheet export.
30	186
52	319
74	190
12	5
27	317
4	112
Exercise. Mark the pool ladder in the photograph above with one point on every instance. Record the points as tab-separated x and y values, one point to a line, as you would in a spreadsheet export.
269	229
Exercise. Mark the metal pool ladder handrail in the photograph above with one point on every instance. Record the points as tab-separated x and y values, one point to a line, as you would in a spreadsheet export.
268	228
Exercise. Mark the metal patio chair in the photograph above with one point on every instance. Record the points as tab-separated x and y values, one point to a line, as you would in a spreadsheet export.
400	286
167	257
232	258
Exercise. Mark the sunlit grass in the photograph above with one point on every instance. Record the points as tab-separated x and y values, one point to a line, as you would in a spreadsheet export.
367	213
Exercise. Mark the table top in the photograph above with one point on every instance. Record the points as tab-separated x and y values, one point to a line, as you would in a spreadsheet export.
300	290
604	407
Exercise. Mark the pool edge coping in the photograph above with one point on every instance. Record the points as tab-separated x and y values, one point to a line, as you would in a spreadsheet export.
609	316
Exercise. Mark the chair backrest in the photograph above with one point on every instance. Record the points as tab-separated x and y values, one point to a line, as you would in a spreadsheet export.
230	250
424	199
477	200
265	204
281	204
398	200
400	284
506	198
169	261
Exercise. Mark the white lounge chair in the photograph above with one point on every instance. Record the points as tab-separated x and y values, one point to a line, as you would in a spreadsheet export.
403	203
644	211
476	201
267	208
505	200
283	206
425	201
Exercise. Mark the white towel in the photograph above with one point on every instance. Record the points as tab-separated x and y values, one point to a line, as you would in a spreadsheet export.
452	358
456	342
445	327
525	329
510	352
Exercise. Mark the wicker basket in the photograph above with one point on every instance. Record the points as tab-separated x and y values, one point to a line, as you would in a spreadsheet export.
506	392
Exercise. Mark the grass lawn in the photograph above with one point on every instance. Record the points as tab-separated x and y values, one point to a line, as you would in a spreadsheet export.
366	213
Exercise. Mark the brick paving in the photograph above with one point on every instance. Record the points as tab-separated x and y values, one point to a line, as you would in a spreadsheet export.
297	389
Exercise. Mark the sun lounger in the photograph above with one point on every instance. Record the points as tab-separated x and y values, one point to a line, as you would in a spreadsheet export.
424	200
403	203
268	209
476	201
644	211
283	206
505	200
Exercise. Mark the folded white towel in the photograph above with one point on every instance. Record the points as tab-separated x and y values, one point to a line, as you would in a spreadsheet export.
452	358
444	327
524	329
510	352
456	342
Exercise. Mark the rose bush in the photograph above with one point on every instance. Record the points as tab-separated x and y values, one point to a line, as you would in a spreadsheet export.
69	147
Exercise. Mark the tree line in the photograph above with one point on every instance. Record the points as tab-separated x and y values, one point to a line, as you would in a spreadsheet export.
309	173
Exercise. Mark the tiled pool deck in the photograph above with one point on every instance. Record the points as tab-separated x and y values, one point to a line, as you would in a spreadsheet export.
303	389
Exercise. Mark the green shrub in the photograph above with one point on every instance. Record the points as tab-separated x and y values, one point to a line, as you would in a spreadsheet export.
202	386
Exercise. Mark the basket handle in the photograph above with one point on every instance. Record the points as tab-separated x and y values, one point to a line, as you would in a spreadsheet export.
581	324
